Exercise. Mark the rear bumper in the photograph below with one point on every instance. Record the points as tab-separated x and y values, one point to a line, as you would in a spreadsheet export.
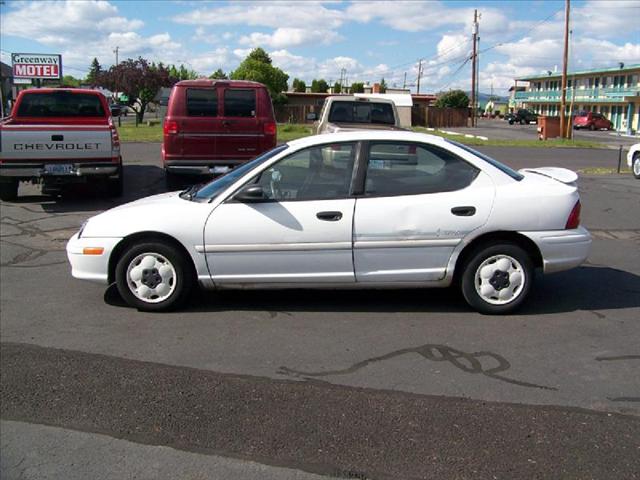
562	249
201	167
30	170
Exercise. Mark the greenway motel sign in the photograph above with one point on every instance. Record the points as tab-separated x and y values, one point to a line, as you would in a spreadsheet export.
37	65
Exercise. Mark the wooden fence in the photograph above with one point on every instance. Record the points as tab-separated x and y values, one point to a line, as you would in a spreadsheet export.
435	117
295	113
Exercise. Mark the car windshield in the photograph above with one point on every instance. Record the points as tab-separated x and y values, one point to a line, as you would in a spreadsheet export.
500	166
212	189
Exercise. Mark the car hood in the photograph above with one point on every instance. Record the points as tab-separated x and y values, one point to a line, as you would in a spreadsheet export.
164	213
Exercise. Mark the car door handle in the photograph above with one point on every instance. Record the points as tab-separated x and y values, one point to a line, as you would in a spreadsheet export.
464	211
329	216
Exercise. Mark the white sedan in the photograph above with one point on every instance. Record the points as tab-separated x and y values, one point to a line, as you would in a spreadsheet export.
368	209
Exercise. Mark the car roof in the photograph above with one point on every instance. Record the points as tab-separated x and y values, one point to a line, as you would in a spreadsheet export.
205	82
371	135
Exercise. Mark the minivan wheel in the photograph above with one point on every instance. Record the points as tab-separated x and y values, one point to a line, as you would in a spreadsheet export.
635	166
154	277
9	190
497	279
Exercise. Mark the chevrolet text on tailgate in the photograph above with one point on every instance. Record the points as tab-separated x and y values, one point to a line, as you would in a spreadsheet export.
59	137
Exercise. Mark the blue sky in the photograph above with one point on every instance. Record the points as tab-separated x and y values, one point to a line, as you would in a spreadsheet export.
314	39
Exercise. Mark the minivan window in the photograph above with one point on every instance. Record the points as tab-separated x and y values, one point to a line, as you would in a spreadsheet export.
202	102
61	104
239	103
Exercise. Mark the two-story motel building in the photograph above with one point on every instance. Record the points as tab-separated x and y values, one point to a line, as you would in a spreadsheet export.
614	92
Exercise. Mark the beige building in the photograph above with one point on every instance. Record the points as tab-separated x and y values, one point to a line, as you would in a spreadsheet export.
614	92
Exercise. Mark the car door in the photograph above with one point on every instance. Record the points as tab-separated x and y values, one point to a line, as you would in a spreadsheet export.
301	232
419	202
201	124
241	129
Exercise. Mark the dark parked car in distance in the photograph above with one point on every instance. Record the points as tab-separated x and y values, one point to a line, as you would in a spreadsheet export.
522	117
592	121
212	126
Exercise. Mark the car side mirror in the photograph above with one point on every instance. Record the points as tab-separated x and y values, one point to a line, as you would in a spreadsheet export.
250	193
312	116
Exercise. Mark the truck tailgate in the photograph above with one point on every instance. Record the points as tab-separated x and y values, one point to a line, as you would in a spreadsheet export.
56	143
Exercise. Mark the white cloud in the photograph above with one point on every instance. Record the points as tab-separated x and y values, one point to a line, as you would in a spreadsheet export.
290	37
272	14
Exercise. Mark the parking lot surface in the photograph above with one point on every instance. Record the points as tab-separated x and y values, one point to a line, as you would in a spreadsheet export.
366	384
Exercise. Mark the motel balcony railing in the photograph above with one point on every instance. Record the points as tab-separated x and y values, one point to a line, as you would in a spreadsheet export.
607	94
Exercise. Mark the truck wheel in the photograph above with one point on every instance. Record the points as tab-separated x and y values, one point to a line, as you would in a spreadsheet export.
9	190
115	186
592	127
635	165
154	276
522	121
497	279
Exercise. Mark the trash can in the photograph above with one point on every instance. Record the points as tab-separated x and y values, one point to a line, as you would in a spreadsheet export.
548	127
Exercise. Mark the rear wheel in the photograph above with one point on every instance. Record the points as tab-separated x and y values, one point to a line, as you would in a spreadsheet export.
635	166
154	276
497	279
592	127
115	186
9	190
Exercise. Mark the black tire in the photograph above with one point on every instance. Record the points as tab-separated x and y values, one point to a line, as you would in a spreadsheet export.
522	121
475	264
511	122
9	190
115	186
635	166
182	277
592	127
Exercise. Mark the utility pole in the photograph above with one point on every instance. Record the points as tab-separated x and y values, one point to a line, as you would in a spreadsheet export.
474	33
419	75
117	99
404	83
563	97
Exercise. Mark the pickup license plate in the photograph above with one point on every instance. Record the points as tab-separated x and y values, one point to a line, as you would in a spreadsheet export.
58	169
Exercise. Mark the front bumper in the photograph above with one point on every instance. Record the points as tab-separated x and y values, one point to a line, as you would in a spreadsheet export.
90	267
562	249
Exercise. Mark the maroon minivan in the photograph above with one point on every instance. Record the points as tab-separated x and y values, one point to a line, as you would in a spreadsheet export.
213	125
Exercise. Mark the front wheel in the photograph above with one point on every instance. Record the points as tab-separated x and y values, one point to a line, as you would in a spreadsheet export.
497	279
154	276
635	166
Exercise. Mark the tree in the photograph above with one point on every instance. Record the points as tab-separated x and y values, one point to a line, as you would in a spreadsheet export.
357	87
299	85
95	70
139	81
257	67
383	86
337	88
69	81
218	75
319	86
452	99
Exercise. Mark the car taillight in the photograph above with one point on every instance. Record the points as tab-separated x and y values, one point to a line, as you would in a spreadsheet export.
115	139
269	128
574	217
170	127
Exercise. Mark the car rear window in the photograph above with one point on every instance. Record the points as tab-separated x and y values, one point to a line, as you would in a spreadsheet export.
492	161
202	102
61	104
239	103
362	112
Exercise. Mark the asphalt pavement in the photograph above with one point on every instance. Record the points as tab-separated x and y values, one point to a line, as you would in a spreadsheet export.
295	384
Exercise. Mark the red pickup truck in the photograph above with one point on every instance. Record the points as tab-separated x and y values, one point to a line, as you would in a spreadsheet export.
57	137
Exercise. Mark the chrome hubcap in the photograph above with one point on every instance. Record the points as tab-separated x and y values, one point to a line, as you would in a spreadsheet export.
499	279
151	277
636	166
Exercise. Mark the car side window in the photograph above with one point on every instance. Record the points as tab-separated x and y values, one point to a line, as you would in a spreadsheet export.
317	173
398	168
239	103
202	102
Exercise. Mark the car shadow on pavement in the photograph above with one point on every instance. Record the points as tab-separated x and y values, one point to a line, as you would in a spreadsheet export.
139	181
586	288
